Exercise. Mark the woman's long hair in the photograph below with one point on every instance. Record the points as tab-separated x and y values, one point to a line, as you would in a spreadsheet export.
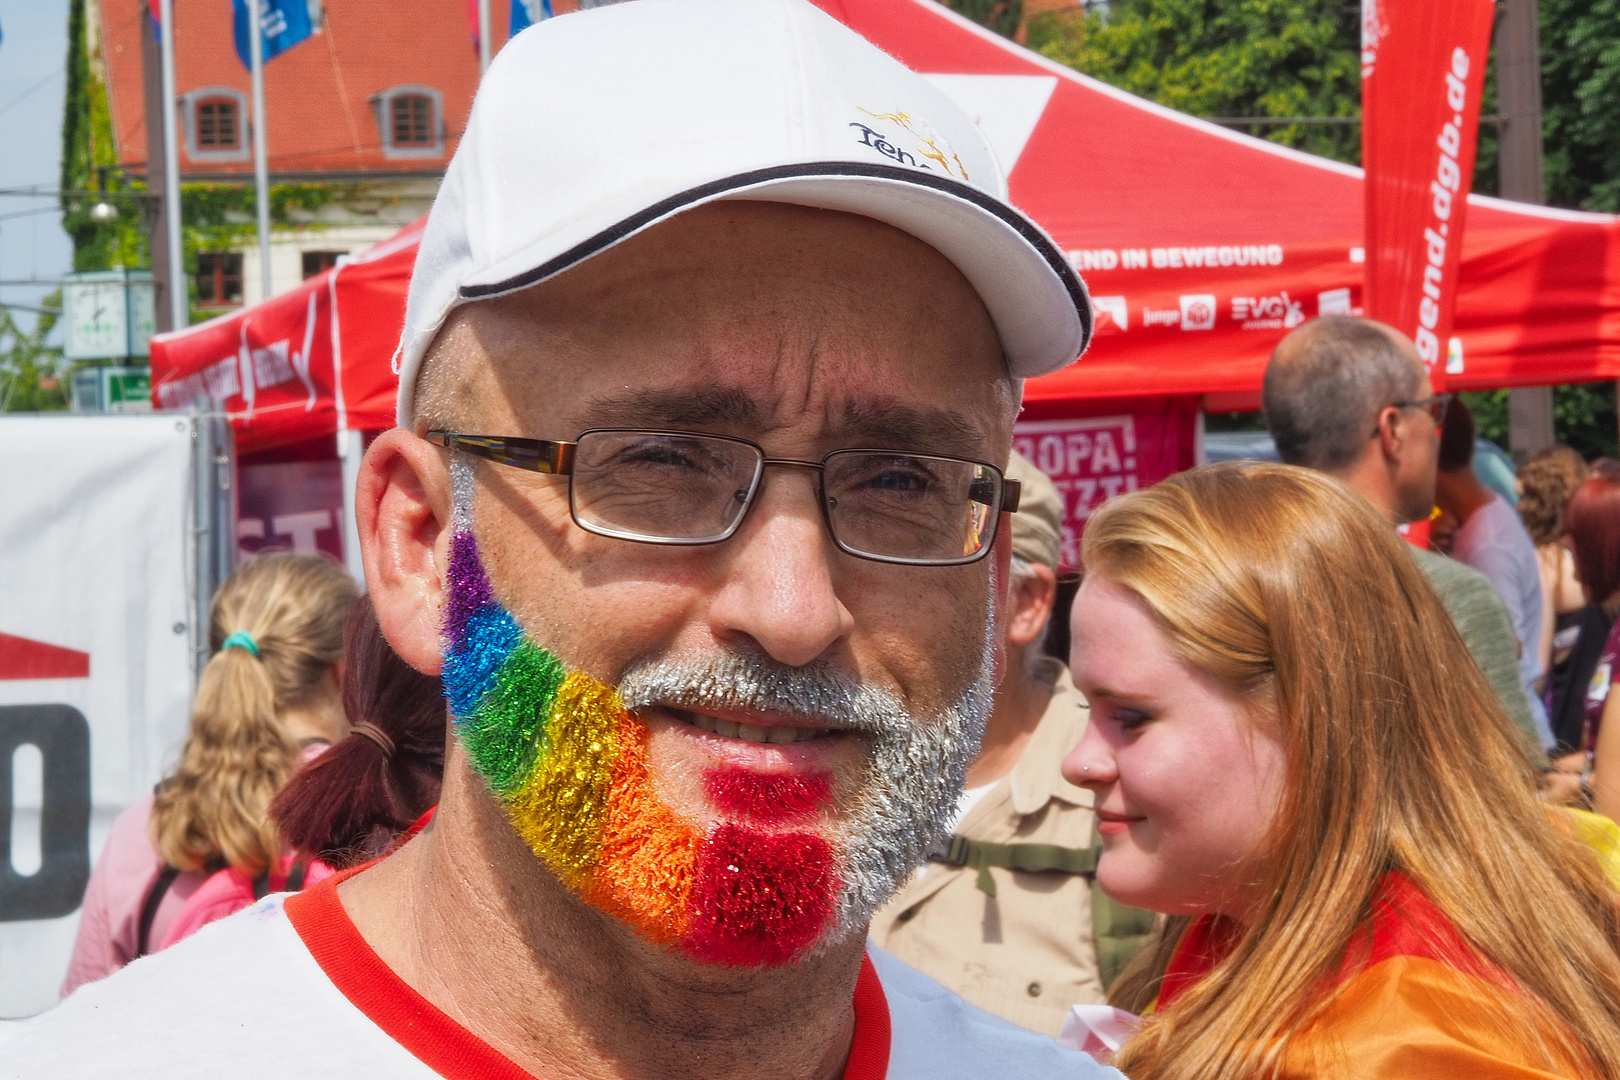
215	805
1592	521
1288	589
1546	482
354	801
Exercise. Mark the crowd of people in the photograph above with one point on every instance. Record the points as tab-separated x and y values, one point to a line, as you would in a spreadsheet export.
724	740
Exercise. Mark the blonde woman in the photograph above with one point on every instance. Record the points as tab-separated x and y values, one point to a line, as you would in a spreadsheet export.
268	697
1294	758
1546	482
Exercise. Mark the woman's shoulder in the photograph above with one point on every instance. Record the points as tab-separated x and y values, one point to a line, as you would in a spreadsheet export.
1415	1000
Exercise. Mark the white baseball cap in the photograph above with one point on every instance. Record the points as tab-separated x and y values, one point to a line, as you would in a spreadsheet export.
591	127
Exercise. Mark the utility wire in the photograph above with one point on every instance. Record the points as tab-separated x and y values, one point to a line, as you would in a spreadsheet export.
30	90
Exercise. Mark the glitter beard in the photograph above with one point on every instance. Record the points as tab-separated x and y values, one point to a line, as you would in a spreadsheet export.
568	763
567	760
914	776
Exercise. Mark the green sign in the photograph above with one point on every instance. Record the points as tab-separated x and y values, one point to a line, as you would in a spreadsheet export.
126	389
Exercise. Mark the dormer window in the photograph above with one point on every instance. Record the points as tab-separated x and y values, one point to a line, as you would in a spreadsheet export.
411	122
217	127
215	123
412	117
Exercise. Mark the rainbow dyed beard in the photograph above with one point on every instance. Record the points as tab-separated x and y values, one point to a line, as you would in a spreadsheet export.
567	759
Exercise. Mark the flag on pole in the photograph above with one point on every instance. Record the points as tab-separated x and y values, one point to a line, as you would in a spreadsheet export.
284	24
525	13
1422	74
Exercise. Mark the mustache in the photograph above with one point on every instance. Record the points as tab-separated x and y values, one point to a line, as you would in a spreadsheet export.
817	693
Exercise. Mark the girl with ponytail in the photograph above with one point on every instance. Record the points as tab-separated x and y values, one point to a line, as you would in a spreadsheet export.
268	698
362	796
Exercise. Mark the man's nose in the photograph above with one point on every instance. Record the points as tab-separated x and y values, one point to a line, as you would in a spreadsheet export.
1091	761
778	589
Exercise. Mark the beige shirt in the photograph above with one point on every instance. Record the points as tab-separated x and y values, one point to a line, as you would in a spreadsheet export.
1025	954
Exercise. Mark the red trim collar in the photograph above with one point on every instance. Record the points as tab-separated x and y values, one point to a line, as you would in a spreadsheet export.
456	1053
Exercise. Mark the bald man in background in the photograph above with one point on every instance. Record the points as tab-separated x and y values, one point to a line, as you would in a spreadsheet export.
1350	397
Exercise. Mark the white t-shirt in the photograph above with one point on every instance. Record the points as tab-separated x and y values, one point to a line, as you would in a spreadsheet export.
1493	541
266	994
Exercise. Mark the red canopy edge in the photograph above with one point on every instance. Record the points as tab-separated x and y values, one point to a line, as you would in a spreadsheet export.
1201	246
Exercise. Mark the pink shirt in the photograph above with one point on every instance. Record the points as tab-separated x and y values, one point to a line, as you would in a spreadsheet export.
228	892
109	922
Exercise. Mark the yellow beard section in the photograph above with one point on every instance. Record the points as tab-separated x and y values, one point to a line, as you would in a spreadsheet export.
562	807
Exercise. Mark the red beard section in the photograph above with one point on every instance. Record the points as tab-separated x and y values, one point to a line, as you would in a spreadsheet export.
766	797
759	898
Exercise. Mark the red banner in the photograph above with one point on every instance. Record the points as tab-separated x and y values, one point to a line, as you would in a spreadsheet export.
1118	447
1422	73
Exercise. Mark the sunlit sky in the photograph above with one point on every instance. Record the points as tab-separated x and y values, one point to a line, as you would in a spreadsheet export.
33	247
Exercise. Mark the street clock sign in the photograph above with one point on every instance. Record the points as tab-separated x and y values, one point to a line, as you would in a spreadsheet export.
107	315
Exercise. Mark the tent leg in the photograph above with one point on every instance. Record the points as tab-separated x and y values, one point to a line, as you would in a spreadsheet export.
1530	420
351	447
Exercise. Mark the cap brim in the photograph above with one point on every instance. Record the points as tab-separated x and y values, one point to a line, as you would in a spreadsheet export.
1038	303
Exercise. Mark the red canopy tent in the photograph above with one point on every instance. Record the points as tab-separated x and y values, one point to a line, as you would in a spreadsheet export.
1201	247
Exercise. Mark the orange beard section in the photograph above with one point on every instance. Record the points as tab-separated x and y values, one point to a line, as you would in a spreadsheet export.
644	875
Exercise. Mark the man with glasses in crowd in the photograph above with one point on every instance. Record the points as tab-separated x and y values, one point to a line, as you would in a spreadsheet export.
1351	397
711	358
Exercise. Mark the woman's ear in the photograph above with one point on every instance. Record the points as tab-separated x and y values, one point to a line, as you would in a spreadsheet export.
402	510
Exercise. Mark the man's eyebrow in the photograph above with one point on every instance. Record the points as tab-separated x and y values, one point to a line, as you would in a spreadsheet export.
703	407
911	427
887	424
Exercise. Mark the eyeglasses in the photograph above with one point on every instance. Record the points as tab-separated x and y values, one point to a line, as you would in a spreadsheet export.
1435	403
688	488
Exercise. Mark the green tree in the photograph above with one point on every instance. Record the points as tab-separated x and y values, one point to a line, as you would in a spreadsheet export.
32	378
1270	58
1580	107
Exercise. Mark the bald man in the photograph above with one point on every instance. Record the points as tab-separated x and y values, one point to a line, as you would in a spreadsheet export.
1350	397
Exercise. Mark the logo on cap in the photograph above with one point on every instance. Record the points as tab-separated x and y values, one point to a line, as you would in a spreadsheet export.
926	143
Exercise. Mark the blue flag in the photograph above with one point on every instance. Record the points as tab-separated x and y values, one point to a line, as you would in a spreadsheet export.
284	24
527	12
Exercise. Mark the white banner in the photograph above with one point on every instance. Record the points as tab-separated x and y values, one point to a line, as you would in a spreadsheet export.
95	661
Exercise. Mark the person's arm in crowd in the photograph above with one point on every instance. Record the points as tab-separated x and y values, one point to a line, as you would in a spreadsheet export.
1605	782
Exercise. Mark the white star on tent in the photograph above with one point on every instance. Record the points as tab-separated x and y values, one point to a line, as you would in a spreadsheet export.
1006	107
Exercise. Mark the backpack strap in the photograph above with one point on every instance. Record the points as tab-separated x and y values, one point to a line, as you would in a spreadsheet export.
1118	930
1035	858
261	886
149	908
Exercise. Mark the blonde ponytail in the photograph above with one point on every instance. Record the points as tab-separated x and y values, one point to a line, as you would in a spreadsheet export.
215	806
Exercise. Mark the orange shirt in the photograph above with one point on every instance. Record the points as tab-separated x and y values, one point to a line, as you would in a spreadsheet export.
1413	1001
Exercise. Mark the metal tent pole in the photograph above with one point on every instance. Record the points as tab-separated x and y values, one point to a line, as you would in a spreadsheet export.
261	168
483	36
179	306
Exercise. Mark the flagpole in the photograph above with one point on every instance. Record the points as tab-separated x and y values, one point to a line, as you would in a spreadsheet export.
179	293
483	36
261	168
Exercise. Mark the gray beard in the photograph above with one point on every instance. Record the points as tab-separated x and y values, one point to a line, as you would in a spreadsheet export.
915	772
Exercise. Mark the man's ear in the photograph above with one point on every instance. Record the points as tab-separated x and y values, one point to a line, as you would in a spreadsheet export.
1391	439
1030	605
402	509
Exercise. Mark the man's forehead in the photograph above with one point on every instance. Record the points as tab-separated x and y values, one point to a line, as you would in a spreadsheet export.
877	419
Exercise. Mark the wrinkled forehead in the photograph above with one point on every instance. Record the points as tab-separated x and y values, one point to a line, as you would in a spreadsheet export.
750	320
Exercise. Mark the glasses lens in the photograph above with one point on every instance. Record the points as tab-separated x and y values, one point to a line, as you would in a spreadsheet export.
1437	407
911	507
651	486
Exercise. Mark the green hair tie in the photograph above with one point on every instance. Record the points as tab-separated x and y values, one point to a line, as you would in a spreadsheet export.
241	640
